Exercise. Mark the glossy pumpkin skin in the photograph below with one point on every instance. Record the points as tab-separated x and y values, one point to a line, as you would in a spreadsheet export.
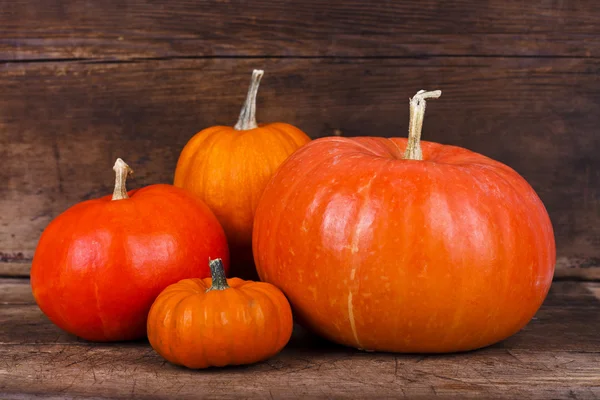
247	323
451	253
99	265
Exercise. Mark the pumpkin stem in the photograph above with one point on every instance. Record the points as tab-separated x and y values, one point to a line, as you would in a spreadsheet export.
247	118
122	170
417	112
217	272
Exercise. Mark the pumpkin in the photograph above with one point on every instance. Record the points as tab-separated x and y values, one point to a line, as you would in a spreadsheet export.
200	323
229	167
99	265
404	246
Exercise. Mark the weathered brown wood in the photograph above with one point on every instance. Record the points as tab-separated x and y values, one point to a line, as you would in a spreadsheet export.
63	124
15	269
69	29
576	268
15	291
556	356
580	268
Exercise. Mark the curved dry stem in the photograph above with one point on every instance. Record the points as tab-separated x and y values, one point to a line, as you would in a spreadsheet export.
122	170
417	113
247	119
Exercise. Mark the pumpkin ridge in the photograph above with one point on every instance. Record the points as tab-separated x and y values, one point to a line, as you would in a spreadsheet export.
515	232
159	310
198	305
248	312
173	329
225	142
501	173
279	143
354	261
241	141
260	287
266	298
437	177
353	142
400	152
199	164
276	222
189	152
224	304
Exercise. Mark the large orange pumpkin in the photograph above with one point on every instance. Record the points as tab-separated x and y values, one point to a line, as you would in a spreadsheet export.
199	323
99	265
229	167
403	246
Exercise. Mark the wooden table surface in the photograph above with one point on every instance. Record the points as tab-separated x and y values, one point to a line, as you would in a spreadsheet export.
556	356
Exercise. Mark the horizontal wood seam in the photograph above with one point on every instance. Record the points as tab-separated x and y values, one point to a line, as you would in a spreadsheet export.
258	57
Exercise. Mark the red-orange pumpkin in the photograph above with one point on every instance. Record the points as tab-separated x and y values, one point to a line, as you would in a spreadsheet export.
396	245
229	167
99	265
199	323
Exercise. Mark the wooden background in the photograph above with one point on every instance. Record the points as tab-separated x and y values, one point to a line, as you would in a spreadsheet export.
84	82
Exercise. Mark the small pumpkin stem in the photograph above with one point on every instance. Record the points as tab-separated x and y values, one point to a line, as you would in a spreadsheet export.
122	170
417	113
217	272
247	118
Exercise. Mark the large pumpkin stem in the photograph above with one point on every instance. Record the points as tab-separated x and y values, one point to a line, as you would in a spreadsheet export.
217	272
417	112
122	170
247	118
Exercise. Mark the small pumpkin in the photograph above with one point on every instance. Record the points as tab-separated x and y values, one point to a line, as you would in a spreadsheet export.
404	246
199	323
99	265
229	167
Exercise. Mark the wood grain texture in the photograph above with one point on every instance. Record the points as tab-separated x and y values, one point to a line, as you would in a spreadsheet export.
578	268
123	30
15	291
556	356
10	269
62	124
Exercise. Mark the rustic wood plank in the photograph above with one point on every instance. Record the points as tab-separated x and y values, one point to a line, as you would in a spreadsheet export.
67	29
581	268
15	291
138	372
15	269
556	356
63	124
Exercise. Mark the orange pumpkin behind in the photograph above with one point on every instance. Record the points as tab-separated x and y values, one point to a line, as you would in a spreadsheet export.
229	167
